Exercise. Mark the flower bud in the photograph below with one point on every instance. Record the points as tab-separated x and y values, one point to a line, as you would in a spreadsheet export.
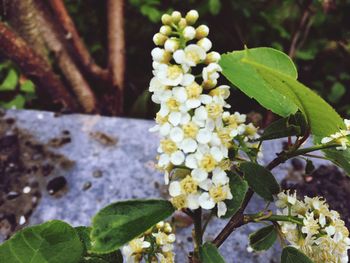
209	84
165	30
205	43
202	31
160	225
189	33
171	44
212	57
159	39
176	16
182	23
160	55
191	17
171	238
166	19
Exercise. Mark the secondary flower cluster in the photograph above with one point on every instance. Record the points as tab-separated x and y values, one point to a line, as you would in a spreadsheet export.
196	131
341	137
321	234
155	246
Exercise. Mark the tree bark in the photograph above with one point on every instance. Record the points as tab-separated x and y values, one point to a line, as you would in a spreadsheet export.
37	69
116	48
53	37
72	35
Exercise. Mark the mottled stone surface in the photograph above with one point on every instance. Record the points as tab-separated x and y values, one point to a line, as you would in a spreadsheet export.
127	170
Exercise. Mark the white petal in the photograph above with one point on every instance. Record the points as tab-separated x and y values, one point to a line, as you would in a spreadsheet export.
192	201
204	136
180	94
177	158
166	178
206	184
191	161
193	103
206	202
176	134
187	80
189	145
163	160
201	113
179	56
222	209
199	175
174	189
185	118
220	177
216	153
175	118
206	99
165	129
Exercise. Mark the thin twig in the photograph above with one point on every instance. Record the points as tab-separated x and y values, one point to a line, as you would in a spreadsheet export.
116	48
72	35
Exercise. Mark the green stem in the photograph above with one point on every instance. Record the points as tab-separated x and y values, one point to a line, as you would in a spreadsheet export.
273	218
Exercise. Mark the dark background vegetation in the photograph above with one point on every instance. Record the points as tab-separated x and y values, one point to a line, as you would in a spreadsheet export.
316	34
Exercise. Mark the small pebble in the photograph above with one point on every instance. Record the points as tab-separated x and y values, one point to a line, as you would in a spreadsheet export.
22	220
26	190
97	174
56	185
87	185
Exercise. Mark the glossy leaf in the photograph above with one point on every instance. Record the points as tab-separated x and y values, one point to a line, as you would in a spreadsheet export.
263	239
51	242
260	180
210	254
84	236
239	188
270	77
118	223
293	255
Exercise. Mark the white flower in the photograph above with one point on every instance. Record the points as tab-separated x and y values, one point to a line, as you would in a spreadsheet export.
199	175
205	201
190	56
210	72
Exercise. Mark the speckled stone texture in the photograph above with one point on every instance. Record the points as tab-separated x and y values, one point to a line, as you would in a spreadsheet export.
128	172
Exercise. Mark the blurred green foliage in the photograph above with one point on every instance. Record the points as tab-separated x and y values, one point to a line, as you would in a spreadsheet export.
15	91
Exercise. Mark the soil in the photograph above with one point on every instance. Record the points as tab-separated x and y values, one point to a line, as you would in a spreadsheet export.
27	169
326	181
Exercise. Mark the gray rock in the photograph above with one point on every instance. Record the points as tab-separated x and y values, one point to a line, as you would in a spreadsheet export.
124	171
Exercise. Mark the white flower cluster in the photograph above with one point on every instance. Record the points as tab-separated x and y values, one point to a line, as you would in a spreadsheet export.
322	235
196	131
155	246
341	137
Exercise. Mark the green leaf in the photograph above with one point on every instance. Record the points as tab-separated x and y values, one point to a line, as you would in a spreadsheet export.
210	254
84	236
214	6
239	188
337	92
293	255
269	76
260	180
17	103
118	223
27	87
249	80
10	81
263	239
294	125
51	242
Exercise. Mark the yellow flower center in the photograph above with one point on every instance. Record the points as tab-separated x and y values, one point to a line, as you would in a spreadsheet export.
224	135
250	130
160	119
188	185
174	71
193	56
225	164
168	146
231	121
220	92
179	201
208	163
173	104
218	194
190	130
136	245
194	90
214	110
